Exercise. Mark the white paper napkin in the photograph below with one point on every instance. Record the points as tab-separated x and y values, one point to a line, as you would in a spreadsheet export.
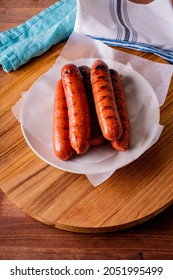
34	109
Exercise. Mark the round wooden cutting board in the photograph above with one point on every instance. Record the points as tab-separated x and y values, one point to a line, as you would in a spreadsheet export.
68	201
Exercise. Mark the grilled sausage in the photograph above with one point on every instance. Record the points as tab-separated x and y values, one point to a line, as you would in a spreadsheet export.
61	142
105	101
78	108
96	134
123	142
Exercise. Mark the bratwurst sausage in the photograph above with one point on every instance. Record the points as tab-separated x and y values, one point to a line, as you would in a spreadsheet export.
105	101
96	134
61	142
78	108
123	142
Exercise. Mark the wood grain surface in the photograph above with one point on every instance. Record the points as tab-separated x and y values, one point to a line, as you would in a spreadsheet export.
22	237
22	173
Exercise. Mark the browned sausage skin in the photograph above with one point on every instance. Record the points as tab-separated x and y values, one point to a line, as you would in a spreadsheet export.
105	101
96	134
123	142
78	108
61	142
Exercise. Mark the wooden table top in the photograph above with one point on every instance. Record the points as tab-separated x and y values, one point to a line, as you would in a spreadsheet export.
22	237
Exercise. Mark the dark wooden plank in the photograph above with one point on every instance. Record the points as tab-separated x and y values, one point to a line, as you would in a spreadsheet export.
22	237
26	4
13	13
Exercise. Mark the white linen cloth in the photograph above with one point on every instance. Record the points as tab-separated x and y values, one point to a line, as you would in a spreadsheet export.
145	27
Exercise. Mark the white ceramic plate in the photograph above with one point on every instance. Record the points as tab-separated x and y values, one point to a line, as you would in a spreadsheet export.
36	122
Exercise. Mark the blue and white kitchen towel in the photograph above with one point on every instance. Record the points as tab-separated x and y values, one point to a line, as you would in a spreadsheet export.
145	27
